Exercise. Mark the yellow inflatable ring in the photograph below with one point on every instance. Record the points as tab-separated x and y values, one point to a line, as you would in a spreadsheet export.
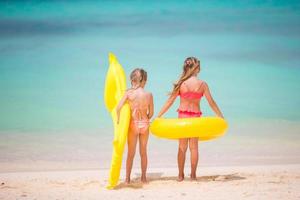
205	128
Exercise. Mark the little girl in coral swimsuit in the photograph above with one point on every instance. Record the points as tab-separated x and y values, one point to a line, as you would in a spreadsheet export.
141	105
191	90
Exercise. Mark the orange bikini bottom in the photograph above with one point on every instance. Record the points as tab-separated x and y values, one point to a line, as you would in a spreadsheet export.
141	125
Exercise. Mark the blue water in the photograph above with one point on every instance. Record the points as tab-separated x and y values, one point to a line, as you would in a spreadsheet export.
54	57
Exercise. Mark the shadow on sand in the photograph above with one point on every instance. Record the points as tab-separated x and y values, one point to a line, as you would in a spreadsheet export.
152	177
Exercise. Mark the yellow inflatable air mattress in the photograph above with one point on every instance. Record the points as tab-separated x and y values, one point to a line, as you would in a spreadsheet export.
115	87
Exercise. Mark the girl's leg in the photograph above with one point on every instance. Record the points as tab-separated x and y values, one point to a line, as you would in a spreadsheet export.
132	139
183	144
194	156
143	139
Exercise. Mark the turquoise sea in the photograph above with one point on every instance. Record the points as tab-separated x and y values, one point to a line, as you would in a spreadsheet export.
54	58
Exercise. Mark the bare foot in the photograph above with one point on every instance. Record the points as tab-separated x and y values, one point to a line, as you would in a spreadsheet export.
144	179
193	177
180	177
127	181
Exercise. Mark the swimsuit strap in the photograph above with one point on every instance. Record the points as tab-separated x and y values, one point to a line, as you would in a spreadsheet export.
191	93
135	112
200	85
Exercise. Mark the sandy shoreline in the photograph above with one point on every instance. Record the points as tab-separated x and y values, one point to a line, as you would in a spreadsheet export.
244	182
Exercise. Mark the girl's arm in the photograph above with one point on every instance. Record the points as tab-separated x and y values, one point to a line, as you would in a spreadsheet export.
211	101
120	105
151	107
168	104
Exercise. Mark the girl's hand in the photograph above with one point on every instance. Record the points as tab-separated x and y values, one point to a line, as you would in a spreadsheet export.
221	116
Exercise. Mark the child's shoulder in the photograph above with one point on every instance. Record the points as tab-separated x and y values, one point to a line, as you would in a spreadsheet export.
147	93
202	82
129	91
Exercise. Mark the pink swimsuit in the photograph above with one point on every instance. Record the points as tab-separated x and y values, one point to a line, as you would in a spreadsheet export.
187	113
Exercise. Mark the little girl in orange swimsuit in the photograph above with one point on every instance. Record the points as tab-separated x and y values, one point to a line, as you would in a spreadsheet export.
141	104
190	89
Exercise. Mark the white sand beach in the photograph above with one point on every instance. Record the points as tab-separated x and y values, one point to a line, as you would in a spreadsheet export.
57	137
244	182
237	166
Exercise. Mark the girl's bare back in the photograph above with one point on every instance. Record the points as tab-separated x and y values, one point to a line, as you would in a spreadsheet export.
139	100
140	103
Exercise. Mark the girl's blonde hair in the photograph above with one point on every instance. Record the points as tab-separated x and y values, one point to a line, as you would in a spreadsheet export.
190	66
137	76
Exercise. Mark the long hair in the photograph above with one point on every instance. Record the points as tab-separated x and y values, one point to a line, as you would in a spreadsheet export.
191	64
